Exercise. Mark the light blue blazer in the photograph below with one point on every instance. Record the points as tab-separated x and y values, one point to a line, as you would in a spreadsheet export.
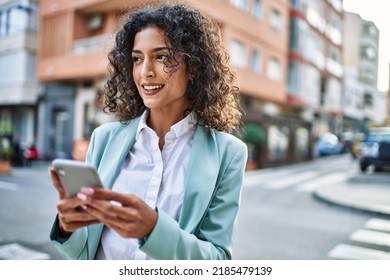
213	182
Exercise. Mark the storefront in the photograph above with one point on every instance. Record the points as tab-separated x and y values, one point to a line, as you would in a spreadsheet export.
287	140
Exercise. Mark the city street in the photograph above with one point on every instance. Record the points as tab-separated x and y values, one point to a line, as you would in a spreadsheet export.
280	218
28	208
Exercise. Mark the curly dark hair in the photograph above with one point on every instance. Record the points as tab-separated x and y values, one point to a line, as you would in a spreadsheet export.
212	91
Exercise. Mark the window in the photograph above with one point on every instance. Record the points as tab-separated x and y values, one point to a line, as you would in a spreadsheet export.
16	18
238	54
276	20
294	3
368	52
335	54
302	144
274	69
294	34
3	23
256	61
241	4
367	76
323	90
370	30
292	83
367	100
277	142
258	9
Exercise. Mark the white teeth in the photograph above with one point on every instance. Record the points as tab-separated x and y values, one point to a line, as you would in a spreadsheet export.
152	87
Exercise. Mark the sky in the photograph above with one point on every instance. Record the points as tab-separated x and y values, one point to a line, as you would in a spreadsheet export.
377	12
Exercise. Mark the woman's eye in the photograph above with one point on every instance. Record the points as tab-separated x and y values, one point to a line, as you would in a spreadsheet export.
162	57
136	59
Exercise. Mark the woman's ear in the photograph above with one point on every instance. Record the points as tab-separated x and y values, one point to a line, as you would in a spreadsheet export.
191	78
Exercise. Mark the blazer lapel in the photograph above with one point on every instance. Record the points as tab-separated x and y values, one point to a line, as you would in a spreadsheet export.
200	179
117	150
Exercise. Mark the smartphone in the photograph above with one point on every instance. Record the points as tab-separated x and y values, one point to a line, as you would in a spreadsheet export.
75	174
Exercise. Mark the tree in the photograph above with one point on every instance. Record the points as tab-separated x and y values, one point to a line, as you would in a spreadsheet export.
253	135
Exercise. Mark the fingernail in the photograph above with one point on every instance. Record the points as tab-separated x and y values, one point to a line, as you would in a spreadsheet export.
87	190
82	196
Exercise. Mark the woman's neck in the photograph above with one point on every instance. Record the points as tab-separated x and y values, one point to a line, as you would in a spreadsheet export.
161	123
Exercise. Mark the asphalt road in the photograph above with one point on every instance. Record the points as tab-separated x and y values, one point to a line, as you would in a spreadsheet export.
279	217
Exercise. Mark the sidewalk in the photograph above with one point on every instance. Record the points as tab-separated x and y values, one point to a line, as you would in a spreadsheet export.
359	195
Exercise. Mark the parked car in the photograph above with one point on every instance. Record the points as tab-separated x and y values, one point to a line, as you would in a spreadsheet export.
329	144
375	149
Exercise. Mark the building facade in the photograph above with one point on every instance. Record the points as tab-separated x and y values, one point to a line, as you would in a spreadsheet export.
387	120
296	80
315	68
76	35
363	104
19	88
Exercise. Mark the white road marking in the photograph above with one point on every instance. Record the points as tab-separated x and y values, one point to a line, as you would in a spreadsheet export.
290	181
378	224
15	251
254	178
350	252
8	186
372	237
329	179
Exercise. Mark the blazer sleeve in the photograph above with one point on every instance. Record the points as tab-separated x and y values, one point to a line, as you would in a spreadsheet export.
213	238
74	247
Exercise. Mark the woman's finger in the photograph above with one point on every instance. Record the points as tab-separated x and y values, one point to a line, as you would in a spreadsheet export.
126	220
71	227
72	220
109	195
57	183
132	209
128	232
69	204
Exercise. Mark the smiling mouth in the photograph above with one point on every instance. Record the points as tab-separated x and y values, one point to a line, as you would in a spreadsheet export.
151	89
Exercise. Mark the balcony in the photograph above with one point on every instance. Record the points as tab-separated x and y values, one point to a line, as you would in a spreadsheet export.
334	67
20	40
99	43
19	93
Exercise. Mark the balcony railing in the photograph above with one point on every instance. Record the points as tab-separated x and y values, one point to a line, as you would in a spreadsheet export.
92	44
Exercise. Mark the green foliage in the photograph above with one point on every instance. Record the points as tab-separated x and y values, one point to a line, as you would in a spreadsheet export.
5	127
6	149
253	134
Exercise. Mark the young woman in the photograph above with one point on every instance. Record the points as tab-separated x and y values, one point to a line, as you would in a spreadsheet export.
173	171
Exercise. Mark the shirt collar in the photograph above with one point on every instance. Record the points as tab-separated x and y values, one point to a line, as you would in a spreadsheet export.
180	128
142	123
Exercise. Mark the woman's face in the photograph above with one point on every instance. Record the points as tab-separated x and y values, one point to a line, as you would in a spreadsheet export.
160	87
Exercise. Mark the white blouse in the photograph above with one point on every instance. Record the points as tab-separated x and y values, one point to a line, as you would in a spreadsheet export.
155	176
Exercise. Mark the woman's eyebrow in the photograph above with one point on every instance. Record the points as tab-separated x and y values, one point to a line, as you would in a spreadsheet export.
154	50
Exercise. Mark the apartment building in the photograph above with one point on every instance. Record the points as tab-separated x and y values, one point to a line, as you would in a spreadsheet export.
363	104
315	69
387	120
76	36
19	88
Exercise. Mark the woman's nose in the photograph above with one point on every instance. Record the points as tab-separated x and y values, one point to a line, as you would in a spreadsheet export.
147	70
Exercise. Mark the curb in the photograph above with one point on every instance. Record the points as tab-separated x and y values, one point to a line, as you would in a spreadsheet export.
327	195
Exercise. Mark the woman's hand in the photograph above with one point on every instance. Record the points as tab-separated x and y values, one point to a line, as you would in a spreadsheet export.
133	218
70	214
